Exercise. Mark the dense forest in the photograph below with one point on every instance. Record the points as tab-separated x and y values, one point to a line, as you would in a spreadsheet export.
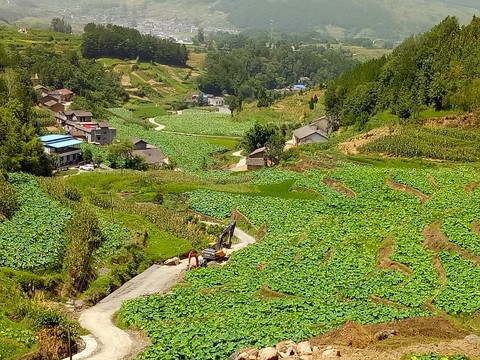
439	68
125	43
252	66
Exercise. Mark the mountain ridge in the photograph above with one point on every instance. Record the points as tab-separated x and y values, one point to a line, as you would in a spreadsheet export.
394	20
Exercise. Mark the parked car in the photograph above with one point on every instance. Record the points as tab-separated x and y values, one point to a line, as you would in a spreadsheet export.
87	167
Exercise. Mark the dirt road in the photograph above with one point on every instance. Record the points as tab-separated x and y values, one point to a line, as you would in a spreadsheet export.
112	343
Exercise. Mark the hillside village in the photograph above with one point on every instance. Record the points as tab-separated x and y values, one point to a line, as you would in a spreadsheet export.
257	201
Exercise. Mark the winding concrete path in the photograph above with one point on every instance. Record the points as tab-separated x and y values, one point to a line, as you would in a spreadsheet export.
159	126
108	342
242	163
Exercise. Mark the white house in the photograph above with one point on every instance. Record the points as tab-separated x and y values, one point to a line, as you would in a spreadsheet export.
308	134
65	146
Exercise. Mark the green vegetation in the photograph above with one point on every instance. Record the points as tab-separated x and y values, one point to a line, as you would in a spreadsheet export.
33	238
323	256
161	245
250	70
121	42
205	123
186	151
437	357
23	316
414	77
414	141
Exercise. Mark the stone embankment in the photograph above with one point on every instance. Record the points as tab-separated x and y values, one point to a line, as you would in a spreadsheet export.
287	350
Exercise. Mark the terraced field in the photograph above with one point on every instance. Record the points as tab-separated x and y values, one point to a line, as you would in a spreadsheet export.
384	253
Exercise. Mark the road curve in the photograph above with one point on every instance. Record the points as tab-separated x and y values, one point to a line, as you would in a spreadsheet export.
112	343
159	126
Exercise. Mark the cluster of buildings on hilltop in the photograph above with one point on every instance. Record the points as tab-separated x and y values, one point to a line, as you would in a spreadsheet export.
55	100
80	124
80	127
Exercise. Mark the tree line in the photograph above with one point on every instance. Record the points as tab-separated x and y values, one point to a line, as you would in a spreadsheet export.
255	67
125	43
438	69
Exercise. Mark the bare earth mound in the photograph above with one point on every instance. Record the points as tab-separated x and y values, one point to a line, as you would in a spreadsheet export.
350	147
461	121
385	252
471	187
417	335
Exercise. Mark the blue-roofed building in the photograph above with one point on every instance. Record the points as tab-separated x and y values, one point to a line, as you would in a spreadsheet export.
299	87
65	146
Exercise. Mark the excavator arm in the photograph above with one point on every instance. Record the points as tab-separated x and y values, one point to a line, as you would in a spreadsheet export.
228	231
215	250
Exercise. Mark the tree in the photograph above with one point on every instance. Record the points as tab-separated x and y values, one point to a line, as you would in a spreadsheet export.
120	152
200	38
257	137
263	100
59	25
234	103
274	148
87	155
84	236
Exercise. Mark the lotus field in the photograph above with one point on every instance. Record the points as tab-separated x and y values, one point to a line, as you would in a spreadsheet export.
204	123
33	238
188	151
319	264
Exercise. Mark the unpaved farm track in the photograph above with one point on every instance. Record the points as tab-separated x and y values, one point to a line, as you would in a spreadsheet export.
113	343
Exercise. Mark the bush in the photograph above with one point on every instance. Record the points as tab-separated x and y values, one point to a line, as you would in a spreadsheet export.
291	156
8	198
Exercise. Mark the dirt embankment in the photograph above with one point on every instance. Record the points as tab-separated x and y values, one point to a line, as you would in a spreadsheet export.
351	146
418	335
385	252
391	341
472	187
408	189
433	182
436	240
338	186
453	121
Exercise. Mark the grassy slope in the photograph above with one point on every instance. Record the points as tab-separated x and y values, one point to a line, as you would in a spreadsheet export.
61	42
291	109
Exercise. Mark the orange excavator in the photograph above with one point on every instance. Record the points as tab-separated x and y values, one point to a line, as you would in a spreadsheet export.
215	250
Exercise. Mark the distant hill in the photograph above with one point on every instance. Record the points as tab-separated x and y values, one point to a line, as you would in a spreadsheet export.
392	19
388	19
